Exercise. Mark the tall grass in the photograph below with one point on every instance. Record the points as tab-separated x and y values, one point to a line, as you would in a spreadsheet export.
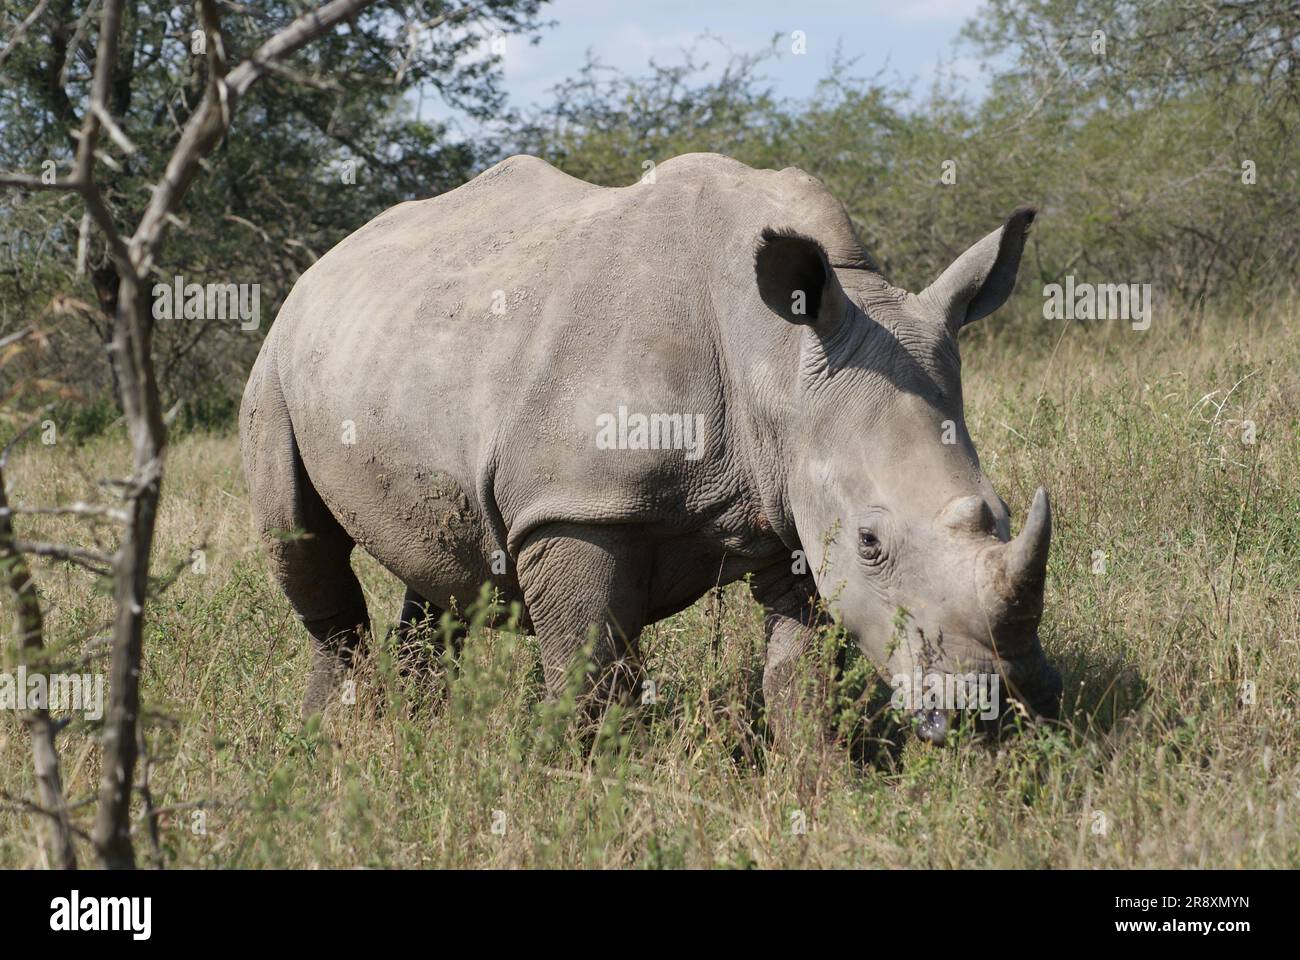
1173	609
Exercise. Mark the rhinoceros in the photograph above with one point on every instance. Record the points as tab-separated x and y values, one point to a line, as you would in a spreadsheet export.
606	401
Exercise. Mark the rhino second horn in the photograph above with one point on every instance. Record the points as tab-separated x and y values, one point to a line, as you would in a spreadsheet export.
971	514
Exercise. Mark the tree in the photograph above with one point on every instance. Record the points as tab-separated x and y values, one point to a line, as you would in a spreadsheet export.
134	258
333	136
1159	137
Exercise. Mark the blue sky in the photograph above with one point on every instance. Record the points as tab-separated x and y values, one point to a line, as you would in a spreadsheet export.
909	38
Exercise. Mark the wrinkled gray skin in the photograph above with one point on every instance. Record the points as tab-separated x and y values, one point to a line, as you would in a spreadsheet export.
475	430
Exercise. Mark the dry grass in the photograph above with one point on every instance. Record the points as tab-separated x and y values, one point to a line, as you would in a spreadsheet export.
1137	435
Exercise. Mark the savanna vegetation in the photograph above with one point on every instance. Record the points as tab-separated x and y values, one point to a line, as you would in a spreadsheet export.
1172	455
1180	650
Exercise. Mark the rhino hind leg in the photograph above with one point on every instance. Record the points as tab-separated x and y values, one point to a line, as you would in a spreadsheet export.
336	642
587	584
315	572
308	550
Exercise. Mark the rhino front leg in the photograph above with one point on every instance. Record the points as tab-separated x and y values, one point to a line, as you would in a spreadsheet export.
587	582
795	679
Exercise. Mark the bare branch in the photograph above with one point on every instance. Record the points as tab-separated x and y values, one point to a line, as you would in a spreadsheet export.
83	167
92	560
23	27
9	338
22	803
292	39
114	131
83	22
78	509
83	242
41	729
208	125
27	181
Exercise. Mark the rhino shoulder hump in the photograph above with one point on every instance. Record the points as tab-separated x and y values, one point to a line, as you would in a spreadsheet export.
520	170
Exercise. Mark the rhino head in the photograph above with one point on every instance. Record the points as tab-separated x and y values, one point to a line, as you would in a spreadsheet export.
907	540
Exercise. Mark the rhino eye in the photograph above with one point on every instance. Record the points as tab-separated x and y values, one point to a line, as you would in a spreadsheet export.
869	546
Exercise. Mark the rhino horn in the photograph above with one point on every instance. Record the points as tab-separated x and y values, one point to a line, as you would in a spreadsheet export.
1027	554
1016	572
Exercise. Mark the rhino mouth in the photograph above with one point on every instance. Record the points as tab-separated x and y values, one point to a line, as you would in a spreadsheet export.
1031	683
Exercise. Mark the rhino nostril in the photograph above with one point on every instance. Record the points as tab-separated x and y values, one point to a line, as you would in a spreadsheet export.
931	726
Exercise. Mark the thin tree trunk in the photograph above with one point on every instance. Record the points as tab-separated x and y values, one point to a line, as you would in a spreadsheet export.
133	360
107	285
31	640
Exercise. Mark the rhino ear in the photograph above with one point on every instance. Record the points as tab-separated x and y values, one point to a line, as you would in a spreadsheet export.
981	279
796	281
